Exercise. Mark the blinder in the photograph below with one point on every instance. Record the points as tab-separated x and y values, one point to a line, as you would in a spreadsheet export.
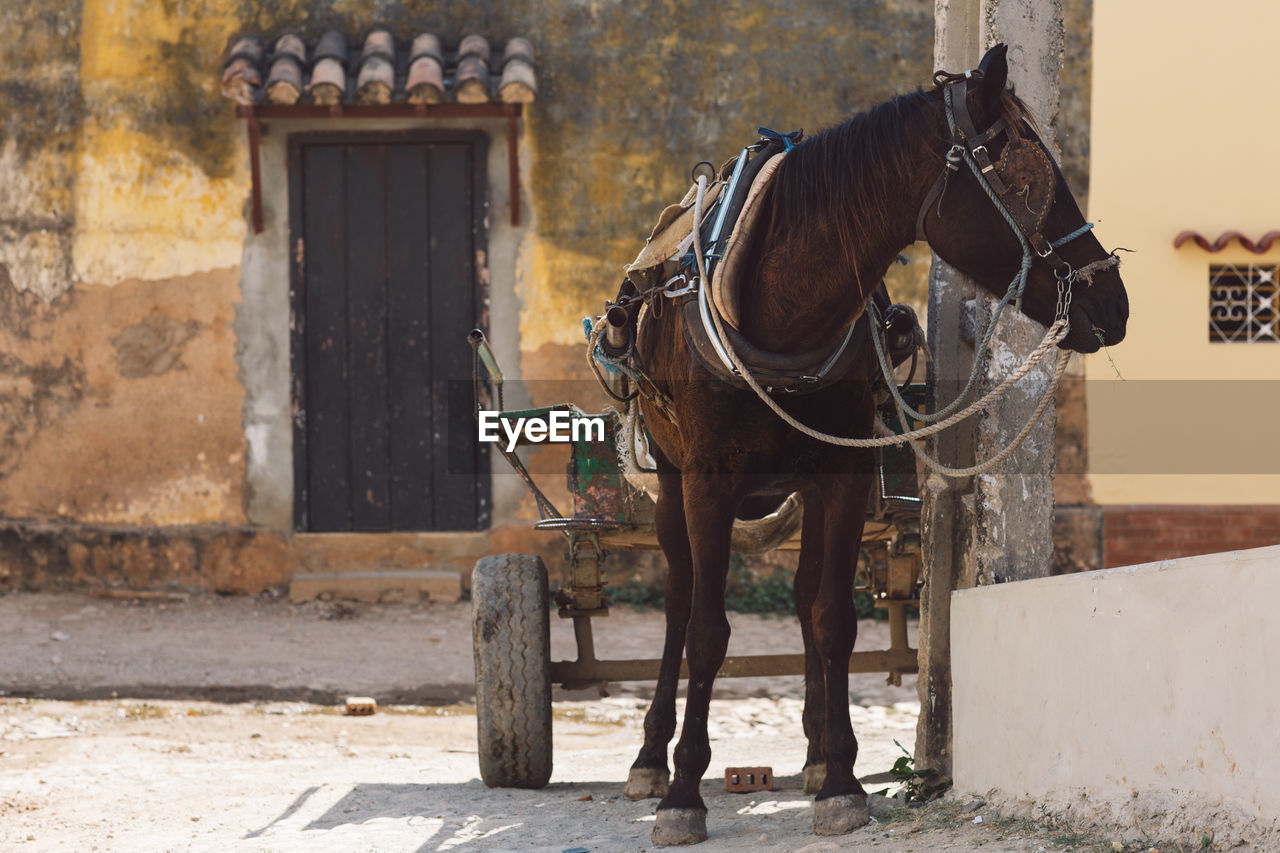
1023	180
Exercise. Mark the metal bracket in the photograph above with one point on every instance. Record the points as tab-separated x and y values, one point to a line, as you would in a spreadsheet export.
586	582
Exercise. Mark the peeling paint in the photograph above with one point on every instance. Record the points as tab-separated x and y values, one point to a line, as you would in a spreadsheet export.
97	424
146	212
121	157
39	91
153	346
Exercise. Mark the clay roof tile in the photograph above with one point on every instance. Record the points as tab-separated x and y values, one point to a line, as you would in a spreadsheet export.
428	68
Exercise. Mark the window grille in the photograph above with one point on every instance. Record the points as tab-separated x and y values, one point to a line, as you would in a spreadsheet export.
1242	304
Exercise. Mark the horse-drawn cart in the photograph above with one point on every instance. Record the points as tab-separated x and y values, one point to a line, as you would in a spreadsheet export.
511	607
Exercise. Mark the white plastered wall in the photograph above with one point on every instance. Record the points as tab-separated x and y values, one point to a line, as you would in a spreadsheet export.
1153	686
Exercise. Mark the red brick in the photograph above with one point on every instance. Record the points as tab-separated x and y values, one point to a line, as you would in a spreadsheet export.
1140	534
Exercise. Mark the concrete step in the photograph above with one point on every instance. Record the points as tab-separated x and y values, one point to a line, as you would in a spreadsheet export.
375	587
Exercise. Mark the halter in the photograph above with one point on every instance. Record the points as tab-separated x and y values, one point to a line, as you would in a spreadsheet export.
969	146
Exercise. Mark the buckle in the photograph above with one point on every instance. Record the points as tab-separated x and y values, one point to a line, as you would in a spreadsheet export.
690	286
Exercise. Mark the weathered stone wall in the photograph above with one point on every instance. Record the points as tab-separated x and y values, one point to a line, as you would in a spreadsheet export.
123	225
120	237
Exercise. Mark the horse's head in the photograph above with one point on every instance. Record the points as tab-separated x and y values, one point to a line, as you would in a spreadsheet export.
988	131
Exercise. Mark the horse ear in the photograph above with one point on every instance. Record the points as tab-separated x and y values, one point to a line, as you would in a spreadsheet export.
995	76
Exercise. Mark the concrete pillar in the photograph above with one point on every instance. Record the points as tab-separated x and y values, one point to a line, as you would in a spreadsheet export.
995	527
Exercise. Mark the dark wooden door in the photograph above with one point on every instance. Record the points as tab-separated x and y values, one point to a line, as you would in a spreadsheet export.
386	235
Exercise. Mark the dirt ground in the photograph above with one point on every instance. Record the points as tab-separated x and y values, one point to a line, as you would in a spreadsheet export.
212	724
226	648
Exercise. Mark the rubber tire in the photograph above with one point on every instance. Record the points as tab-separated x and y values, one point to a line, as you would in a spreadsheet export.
511	630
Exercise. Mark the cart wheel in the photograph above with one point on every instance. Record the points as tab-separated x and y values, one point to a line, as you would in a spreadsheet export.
511	628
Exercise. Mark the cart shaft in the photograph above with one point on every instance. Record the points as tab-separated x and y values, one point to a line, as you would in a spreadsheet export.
583	673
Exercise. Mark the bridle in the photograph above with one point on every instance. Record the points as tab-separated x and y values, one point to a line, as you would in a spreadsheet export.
1021	186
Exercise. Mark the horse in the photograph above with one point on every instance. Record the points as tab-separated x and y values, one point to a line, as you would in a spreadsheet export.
839	208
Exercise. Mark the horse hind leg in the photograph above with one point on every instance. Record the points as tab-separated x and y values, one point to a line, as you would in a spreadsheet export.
808	578
649	775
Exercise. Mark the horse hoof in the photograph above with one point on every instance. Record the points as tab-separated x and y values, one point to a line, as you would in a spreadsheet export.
679	826
838	815
646	782
815	776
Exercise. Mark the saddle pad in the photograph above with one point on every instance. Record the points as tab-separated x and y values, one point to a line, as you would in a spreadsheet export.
673	227
725	290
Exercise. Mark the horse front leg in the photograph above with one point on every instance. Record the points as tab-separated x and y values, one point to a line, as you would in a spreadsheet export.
649	776
841	804
708	509
808	579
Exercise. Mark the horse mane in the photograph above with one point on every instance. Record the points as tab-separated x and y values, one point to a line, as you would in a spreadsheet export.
1016	114
852	177
837	207
848	178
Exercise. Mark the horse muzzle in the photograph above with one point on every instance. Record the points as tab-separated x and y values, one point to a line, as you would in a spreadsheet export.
1092	329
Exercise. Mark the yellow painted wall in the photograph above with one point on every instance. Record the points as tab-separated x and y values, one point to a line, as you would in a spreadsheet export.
123	403
145	207
120	402
1184	137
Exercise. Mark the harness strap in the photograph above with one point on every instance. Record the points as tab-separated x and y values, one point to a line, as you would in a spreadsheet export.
999	127
788	140
792	374
936	192
956	97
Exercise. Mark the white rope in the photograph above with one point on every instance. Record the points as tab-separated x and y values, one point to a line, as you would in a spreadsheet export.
1052	337
645	481
981	468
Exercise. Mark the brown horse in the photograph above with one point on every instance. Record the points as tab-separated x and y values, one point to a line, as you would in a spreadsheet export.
840	207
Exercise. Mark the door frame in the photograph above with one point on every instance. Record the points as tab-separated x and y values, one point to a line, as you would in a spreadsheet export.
297	282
